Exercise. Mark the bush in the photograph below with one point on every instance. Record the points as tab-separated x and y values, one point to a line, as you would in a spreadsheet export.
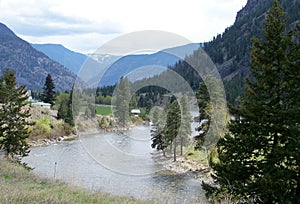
68	129
58	128
105	122
41	128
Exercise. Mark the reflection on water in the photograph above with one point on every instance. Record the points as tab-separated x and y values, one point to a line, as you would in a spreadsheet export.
120	163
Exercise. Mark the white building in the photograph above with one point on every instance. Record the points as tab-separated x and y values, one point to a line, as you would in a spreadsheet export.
42	104
135	112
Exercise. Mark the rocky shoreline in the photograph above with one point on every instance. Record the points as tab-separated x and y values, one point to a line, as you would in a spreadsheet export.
46	142
188	167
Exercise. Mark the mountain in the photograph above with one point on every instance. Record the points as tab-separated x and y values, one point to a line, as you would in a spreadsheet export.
70	59
31	66
118	66
137	67
230	51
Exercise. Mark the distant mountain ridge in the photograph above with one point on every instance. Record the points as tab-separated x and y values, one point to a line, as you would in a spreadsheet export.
152	64
119	66
31	66
70	59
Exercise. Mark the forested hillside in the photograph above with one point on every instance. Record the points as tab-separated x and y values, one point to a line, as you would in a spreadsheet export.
70	59
31	66
230	51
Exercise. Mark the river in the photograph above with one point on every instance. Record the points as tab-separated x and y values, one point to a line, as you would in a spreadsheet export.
120	163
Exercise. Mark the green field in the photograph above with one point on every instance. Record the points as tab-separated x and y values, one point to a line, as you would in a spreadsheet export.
103	110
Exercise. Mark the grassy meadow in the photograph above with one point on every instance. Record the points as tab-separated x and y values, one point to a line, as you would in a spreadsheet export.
103	110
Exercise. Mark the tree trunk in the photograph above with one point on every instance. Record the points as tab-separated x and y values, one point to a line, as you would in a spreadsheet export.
174	149
181	146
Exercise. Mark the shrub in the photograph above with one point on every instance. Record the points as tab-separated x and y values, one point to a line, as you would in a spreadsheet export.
41	128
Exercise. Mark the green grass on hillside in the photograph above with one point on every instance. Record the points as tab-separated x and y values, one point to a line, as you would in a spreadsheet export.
103	110
18	185
196	155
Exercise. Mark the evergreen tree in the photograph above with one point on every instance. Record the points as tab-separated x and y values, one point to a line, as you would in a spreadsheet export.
259	158
172	126
133	102
166	134
185	128
204	114
62	110
121	101
149	105
90	111
48	94
65	110
70	116
13	117
76	98
157	134
212	114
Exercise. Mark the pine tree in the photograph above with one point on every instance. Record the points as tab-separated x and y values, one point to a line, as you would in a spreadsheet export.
48	94
14	117
70	117
259	158
62	110
76	98
171	129
121	100
185	128
157	134
65	110
212	114
149	105
204	115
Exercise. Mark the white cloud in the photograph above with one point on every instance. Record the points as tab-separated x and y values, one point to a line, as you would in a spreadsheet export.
76	24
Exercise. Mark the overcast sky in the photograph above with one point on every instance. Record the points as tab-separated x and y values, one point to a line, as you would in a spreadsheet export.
85	25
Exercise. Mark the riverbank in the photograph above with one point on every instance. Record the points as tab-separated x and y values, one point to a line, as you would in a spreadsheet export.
83	126
195	169
193	163
57	140
45	142
18	185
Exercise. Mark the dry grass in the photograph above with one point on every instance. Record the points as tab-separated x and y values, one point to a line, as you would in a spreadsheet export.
18	185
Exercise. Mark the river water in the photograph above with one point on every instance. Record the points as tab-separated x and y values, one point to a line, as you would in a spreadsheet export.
120	163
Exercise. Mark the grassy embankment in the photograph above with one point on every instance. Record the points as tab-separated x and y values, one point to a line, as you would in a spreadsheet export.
18	185
46	125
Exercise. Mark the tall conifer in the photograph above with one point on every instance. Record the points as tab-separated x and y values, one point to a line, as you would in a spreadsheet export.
259	156
48	94
13	117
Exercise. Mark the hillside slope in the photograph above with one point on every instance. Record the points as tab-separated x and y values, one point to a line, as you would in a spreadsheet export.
30	65
68	58
230	51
